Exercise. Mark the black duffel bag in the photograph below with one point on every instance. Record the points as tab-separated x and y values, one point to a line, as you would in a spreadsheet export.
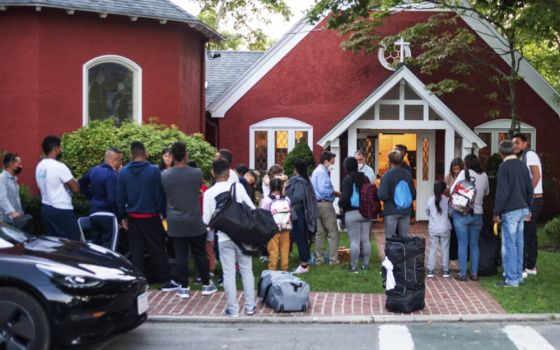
240	222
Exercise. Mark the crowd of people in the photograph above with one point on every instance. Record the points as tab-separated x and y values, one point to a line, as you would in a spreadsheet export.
171	201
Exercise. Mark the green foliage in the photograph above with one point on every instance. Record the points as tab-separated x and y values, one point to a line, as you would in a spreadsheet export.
492	165
241	16
300	151
552	231
31	205
85	147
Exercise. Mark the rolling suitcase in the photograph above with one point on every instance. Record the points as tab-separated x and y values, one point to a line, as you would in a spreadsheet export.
283	291
407	258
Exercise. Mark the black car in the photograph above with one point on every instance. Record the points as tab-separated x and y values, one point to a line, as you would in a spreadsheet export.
63	292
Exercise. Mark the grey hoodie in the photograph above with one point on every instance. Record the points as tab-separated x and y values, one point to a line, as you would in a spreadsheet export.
301	194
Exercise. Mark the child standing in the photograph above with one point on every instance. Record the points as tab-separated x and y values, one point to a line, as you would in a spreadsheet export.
280	207
439	228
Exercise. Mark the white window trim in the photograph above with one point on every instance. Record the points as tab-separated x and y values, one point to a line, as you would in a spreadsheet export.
497	126
136	85
277	124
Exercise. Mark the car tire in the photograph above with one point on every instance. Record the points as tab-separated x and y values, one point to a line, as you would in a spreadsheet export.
23	322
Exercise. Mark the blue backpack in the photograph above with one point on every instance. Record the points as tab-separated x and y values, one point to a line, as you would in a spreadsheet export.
402	197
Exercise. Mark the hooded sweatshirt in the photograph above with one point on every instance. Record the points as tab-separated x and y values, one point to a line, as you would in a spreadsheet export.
140	190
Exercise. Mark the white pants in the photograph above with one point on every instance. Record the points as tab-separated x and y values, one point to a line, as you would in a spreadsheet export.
230	253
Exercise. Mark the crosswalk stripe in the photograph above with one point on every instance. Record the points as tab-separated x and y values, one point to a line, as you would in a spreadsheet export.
526	338
395	337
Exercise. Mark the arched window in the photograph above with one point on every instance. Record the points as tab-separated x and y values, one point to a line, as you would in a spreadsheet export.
272	139
112	90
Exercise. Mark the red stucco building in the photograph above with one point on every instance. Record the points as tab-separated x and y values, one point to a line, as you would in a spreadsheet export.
307	86
64	63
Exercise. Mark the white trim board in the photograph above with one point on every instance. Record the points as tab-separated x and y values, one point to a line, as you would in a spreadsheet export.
403	73
269	60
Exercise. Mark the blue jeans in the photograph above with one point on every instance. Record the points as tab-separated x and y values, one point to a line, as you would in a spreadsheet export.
512	245
468	229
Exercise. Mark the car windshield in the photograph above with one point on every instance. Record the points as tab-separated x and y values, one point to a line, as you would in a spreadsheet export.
10	234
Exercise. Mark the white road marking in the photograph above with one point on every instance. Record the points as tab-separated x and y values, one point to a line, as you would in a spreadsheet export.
395	337
526	338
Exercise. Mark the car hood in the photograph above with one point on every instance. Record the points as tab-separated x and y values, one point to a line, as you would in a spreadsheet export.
90	258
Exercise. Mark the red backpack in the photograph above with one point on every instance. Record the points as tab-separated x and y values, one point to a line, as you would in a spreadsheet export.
369	202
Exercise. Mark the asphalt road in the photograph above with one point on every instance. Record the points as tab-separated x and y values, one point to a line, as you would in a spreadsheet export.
420	336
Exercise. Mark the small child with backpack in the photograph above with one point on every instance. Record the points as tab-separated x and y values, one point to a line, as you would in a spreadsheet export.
280	207
439	229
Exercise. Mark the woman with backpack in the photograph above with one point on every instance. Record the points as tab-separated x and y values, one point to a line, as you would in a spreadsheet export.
467	220
358	227
304	212
280	207
454	169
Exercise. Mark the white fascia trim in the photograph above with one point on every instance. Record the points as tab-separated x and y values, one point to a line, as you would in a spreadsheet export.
281	122
496	41
136	85
501	124
403	73
272	56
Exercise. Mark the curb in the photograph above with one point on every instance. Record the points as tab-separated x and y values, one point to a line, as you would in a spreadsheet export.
359	319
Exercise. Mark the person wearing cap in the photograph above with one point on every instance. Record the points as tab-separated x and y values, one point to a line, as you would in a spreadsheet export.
514	197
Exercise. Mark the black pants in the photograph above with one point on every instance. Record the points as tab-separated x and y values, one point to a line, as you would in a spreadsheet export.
530	246
198	249
24	223
60	222
148	234
102	230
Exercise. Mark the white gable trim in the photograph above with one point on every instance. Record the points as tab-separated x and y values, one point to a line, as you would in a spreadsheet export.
403	73
496	41
275	54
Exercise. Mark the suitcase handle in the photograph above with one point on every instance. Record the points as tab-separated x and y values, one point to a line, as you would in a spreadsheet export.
296	285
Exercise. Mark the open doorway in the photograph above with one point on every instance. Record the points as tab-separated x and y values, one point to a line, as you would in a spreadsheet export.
387	142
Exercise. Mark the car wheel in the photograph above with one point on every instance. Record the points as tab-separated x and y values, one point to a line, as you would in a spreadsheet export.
23	322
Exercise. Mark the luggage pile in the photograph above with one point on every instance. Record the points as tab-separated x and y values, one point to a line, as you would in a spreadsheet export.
406	255
283	291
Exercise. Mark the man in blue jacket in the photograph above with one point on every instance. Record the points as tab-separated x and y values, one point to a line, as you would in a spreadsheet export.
141	204
99	186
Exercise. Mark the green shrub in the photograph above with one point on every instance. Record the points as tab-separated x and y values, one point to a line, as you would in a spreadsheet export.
31	205
300	151
493	164
552	230
84	148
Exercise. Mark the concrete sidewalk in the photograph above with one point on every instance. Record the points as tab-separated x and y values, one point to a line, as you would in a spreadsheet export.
444	298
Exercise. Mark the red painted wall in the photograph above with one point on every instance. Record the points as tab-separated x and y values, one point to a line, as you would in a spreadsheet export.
319	83
41	69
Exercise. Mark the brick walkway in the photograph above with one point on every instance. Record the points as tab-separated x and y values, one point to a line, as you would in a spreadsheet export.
443	297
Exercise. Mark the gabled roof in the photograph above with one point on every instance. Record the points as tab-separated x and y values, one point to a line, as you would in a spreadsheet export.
225	70
163	10
403	73
296	34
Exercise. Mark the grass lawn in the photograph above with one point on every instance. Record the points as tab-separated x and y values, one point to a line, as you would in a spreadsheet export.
325	278
539	294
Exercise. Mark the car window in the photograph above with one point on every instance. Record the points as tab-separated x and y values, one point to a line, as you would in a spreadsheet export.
12	234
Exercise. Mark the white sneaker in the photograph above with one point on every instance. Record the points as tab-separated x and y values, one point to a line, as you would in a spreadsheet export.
532	272
183	293
301	269
524	274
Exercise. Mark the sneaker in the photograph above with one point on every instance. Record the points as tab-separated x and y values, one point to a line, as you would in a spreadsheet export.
505	285
169	286
209	289
263	258
446	274
211	274
461	278
532	272
354	270
198	280
525	274
251	312
228	313
365	267
430	274
183	293
301	269
474	278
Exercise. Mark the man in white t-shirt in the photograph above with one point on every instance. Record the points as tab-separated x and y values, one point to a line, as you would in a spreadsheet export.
56	182
230	253
533	162
226	155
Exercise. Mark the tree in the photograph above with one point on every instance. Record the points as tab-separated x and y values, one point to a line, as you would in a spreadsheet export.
241	14
300	151
445	46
